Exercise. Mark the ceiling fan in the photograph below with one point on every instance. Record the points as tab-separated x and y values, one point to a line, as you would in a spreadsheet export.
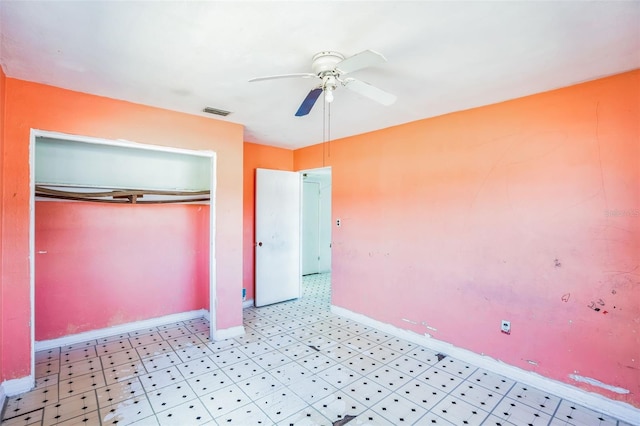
331	68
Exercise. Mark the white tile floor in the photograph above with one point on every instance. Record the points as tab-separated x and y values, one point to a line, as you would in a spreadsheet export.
298	364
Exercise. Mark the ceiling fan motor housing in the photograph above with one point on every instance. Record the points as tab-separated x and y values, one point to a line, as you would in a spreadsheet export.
325	63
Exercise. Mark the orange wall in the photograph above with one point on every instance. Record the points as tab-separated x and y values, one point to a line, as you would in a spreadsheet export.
2	109
257	156
100	265
527	210
31	105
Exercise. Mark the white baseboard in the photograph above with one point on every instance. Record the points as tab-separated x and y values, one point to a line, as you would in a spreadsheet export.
119	329
247	304
15	387
228	333
619	410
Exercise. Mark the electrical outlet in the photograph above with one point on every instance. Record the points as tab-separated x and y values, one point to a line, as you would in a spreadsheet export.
505	327
338	222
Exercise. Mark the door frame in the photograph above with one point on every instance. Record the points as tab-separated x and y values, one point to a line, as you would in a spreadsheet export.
315	170
34	134
303	242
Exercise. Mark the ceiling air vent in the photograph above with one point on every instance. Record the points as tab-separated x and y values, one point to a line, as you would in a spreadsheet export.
216	111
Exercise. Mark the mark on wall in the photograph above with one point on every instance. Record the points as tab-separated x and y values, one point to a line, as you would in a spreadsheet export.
623	280
423	323
598	383
596	306
565	297
622	213
532	362
557	263
428	326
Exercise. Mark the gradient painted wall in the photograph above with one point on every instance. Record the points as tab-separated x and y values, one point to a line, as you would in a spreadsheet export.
2	127
99	265
257	156
527	210
30	105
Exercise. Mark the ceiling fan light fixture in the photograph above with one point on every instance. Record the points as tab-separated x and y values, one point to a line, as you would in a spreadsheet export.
328	95
329	85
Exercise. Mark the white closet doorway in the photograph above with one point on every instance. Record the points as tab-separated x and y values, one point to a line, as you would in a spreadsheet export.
88	164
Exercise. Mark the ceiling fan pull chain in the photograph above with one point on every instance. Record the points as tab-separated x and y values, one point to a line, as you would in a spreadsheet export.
329	132
326	132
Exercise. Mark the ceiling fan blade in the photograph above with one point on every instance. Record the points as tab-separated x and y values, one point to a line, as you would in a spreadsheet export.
295	75
371	92
308	102
366	58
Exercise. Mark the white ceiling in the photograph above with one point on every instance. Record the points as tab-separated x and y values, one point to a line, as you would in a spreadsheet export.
442	56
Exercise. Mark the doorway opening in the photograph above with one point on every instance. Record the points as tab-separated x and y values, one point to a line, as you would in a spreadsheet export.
292	231
316	221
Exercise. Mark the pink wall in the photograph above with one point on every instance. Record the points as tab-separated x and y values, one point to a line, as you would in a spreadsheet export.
99	265
527	210
30	105
257	156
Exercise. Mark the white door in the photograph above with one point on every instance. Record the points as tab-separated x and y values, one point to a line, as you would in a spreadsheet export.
277	236
310	228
